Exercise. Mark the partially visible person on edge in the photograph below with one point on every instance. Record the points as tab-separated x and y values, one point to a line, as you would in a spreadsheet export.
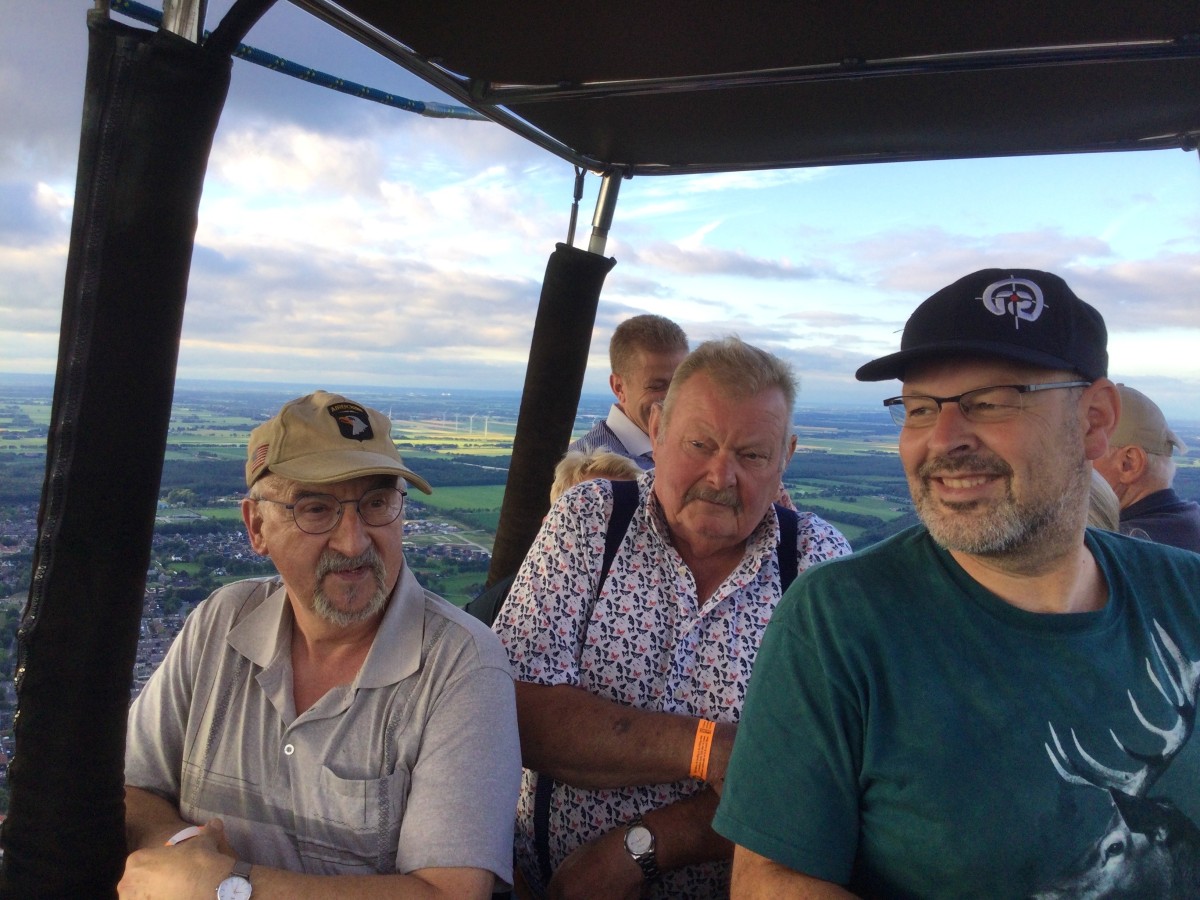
574	467
643	354
935	716
1140	468
334	730
1104	510
630	687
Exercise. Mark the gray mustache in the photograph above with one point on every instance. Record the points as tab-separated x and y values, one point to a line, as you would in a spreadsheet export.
937	467
335	562
724	497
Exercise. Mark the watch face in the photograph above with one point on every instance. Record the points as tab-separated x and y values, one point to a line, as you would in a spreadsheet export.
639	840
235	887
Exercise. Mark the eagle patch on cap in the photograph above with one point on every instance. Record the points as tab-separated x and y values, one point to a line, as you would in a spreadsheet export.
352	420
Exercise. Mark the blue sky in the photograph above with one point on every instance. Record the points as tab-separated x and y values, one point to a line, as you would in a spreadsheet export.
344	243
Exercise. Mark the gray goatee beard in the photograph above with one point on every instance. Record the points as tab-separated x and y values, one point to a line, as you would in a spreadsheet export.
336	562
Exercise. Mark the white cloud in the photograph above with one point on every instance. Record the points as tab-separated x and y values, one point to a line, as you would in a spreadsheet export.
340	241
722	182
292	161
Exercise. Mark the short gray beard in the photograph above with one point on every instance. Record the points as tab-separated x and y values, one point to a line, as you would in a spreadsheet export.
1036	528
331	561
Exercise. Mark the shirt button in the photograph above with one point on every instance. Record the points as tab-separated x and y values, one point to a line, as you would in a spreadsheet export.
288	749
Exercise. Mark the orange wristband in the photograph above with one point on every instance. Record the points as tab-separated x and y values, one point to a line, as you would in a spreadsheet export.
702	748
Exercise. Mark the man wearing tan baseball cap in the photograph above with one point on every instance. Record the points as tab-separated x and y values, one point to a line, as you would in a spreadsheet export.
1140	467
329	723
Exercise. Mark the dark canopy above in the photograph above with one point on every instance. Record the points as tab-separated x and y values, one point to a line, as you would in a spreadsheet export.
712	85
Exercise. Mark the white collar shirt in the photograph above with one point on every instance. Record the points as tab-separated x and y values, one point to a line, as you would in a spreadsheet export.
636	441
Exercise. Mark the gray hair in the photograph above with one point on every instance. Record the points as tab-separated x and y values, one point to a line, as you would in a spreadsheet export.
737	368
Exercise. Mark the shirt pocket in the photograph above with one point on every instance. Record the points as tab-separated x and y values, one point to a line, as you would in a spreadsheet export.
351	825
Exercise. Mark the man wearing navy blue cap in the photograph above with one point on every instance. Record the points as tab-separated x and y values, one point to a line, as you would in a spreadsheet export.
935	716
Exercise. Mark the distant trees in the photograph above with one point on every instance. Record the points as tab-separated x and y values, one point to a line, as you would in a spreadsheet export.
806	464
21	478
173	598
207	479
859	520
464	471
182	497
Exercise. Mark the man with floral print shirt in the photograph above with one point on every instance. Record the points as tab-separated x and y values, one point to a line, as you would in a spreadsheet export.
616	681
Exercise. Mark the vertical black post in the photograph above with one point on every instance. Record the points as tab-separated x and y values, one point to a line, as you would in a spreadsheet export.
151	108
558	356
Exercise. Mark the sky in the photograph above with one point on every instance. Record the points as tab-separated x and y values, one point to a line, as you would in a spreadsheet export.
344	243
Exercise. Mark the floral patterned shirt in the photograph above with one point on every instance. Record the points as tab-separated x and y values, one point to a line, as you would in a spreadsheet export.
647	642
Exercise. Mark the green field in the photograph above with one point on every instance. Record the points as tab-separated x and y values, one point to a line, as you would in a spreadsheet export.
846	469
482	497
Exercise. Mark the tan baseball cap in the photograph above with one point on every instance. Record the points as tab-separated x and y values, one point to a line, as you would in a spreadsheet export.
322	438
1142	424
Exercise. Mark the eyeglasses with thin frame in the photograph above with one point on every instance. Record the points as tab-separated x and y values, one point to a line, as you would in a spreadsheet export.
983	405
321	513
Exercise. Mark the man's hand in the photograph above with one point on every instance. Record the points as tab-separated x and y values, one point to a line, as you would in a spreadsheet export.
601	868
192	868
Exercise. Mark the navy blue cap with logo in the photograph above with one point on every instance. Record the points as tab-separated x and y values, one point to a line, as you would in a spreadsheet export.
1022	315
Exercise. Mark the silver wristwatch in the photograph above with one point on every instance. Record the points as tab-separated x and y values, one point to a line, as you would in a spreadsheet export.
237	885
639	844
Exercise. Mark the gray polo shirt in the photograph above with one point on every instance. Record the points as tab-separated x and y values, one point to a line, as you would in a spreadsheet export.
415	764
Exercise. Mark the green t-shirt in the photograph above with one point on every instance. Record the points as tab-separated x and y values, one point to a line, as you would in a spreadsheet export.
899	731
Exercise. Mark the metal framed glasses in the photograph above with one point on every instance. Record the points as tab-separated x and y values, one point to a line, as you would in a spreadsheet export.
983	405
320	513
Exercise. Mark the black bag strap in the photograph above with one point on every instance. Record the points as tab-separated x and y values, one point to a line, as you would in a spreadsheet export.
785	552
625	503
541	825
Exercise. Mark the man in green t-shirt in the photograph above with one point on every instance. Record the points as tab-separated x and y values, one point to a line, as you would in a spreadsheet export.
998	702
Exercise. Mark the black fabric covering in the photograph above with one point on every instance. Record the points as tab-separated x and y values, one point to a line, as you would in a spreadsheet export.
562	334
150	110
717	86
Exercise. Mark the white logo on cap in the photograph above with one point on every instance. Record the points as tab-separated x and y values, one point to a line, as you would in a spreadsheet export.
1016	297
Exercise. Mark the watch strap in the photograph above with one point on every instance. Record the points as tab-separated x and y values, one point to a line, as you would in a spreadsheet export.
239	873
241	868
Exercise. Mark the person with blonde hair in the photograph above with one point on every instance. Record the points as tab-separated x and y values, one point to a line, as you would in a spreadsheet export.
1104	509
578	466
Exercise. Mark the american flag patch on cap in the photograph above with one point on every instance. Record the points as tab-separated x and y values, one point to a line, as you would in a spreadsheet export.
260	456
